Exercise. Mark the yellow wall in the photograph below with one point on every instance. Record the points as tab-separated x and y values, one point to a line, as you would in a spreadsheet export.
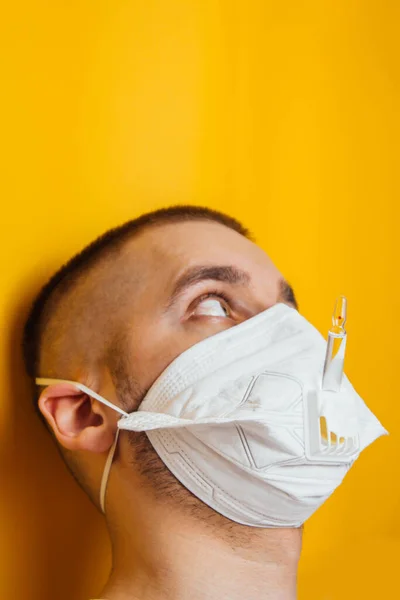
284	114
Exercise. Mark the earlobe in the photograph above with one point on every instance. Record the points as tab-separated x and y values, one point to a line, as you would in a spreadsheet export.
78	422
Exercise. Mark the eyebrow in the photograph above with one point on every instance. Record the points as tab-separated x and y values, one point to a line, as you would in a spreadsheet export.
226	274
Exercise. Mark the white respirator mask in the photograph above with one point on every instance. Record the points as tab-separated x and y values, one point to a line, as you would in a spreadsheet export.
242	421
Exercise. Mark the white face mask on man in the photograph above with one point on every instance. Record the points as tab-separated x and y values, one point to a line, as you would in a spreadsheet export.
242	422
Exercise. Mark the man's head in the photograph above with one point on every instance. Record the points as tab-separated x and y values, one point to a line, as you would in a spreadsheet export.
118	313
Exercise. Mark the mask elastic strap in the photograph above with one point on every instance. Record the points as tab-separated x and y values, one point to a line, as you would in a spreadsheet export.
83	388
92	394
106	473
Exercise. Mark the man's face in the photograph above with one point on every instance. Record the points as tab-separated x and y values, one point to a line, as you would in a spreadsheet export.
185	282
170	287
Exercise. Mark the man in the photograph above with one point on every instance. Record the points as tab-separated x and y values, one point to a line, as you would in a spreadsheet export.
113	319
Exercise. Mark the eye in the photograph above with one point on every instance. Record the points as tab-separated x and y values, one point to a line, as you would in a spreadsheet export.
212	306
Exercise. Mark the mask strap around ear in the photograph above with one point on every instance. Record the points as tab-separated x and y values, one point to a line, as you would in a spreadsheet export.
92	394
106	473
83	388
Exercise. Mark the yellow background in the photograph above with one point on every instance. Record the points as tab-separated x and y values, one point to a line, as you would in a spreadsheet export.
285	115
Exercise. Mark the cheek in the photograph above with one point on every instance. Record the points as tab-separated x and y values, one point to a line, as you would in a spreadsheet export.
156	346
153	349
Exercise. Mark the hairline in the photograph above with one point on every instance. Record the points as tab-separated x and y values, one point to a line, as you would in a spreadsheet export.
123	234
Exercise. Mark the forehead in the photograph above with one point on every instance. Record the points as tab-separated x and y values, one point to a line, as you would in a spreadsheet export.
167	250
141	279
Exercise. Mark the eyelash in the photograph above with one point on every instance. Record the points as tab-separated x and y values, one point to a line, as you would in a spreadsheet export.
215	294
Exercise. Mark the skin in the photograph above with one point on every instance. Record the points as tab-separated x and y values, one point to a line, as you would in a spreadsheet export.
116	332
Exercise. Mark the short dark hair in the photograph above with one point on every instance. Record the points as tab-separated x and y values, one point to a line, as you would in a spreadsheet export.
107	243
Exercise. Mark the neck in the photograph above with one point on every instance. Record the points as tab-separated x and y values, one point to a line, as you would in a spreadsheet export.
181	557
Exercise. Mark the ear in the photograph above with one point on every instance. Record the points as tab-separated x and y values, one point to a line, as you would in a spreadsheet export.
78	421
